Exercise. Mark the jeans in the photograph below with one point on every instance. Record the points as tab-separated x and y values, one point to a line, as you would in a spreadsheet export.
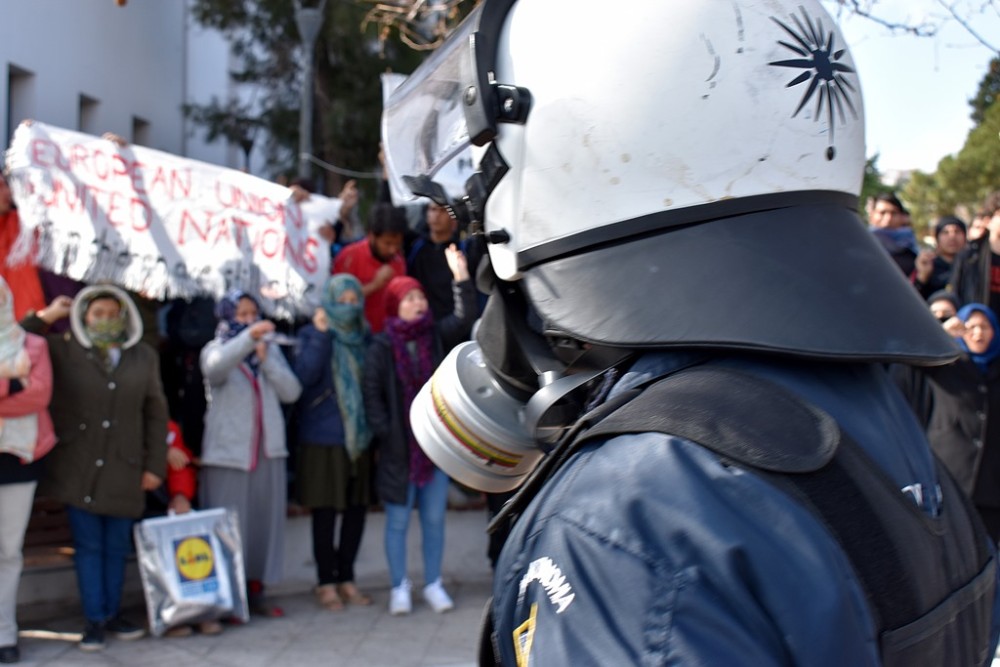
431	501
15	510
102	543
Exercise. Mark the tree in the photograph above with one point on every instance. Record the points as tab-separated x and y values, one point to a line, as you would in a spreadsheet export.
233	122
976	170
989	90
961	181
872	183
263	38
420	26
349	58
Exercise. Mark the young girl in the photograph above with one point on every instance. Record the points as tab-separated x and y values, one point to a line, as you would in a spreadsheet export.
399	361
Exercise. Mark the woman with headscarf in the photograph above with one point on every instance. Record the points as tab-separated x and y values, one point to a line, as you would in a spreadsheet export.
960	409
400	360
110	418
26	435
334	459
243	449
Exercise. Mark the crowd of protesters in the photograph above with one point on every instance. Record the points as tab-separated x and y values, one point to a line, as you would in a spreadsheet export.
121	408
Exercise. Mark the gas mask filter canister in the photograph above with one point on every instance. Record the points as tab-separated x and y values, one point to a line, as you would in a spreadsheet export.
471	427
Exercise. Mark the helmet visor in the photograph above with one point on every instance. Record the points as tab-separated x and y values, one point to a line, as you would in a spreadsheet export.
424	123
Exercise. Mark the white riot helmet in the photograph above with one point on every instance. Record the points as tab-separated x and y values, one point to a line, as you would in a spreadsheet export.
656	174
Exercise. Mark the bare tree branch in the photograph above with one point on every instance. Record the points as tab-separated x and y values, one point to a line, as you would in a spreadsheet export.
964	14
424	24
421	24
866	9
964	22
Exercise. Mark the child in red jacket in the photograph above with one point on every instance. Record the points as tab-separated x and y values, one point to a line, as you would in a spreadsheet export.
182	480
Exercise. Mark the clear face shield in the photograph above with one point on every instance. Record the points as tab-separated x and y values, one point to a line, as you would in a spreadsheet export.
470	419
423	124
449	104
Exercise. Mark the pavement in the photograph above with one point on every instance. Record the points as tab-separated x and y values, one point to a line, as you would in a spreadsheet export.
307	634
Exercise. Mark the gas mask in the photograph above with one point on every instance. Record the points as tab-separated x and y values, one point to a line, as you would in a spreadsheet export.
498	403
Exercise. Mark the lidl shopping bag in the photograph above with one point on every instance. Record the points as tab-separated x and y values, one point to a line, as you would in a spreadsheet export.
192	568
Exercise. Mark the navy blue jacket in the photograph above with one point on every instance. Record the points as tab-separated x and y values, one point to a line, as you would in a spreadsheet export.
648	549
317	411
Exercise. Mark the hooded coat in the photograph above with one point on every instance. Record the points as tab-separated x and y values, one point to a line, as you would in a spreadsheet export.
111	424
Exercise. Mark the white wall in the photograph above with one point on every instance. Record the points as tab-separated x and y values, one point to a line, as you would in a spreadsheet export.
138	61
207	76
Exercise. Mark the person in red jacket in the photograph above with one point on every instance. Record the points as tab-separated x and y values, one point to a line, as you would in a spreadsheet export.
182	483
23	277
375	260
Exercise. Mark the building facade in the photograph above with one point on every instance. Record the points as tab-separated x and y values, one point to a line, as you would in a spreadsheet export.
95	67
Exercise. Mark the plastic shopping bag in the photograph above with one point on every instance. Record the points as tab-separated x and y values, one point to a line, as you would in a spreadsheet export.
191	567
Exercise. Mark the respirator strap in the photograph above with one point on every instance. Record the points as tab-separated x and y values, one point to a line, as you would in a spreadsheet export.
560	454
550	411
570	443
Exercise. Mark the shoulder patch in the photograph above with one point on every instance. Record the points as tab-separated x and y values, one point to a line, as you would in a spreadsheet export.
550	577
524	635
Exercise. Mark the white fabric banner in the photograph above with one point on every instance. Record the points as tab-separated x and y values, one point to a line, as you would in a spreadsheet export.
161	225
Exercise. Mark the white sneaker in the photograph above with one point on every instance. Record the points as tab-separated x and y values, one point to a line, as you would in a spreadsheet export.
437	598
399	599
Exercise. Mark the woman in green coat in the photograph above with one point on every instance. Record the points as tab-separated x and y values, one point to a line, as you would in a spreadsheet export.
110	419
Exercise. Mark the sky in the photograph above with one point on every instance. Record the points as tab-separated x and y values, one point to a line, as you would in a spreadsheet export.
916	89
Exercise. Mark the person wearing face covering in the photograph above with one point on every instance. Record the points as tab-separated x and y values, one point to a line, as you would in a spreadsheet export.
110	417
334	457
26	435
399	361
243	448
959	405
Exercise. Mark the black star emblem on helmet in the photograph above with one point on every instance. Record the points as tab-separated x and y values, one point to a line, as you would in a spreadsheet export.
827	76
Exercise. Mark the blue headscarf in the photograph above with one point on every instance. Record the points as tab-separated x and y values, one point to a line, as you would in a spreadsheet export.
229	328
982	361
349	331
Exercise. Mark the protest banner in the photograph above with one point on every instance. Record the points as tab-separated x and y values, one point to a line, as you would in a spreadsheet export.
159	224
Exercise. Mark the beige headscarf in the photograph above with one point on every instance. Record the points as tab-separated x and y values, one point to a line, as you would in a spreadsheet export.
17	434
